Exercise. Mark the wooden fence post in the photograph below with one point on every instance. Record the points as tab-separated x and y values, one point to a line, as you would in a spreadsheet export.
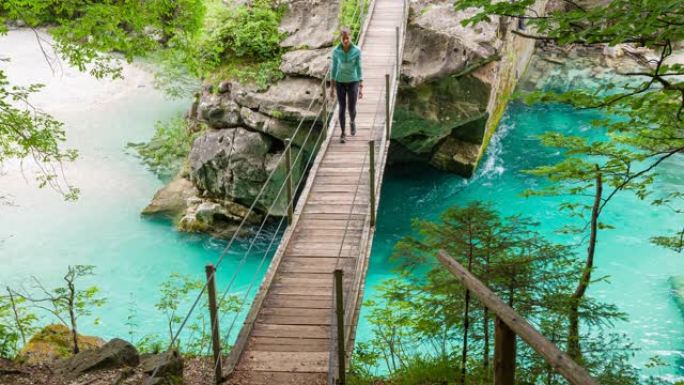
339	305
371	166
215	336
504	354
288	169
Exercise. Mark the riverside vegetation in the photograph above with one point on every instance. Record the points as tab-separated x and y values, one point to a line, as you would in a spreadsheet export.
426	329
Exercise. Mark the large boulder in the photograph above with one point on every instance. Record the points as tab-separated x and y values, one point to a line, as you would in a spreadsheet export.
234	164
427	114
114	354
54	342
310	23
219	110
171	200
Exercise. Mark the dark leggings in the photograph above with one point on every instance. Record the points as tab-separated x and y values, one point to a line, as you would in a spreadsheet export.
347	93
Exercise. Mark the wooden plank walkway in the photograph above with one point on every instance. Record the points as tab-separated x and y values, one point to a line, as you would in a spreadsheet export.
286	338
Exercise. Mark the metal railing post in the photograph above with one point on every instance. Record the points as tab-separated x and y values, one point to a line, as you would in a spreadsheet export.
504	354
215	337
339	305
288	170
371	149
387	106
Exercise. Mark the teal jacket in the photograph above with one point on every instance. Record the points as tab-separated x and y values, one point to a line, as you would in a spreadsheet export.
346	66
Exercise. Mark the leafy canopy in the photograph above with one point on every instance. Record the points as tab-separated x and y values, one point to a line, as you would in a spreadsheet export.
644	111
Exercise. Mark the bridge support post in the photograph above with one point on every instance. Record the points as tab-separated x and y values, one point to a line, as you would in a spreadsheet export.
396	75
371	171
324	114
288	169
388	118
504	354
339	306
213	315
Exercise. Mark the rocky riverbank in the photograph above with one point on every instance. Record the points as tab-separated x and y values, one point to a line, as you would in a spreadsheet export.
46	359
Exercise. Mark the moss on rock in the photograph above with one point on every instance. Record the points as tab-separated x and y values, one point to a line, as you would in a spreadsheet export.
54	342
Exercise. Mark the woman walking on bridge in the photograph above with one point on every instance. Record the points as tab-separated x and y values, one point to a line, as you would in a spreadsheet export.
347	79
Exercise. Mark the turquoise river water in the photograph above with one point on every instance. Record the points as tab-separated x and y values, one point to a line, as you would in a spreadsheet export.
40	234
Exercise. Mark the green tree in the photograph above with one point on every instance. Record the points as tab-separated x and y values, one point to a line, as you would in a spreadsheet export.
17	323
644	115
179	290
68	303
423	317
94	36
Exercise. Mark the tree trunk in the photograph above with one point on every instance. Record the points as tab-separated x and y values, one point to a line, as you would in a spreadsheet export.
72	314
16	315
574	350
485	358
466	321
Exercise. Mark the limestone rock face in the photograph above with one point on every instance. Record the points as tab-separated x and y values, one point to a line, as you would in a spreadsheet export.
114	354
310	23
219	112
54	342
288	99
438	45
229	162
456	81
306	62
235	163
425	115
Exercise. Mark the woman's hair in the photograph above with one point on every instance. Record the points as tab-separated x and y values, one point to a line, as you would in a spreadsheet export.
345	31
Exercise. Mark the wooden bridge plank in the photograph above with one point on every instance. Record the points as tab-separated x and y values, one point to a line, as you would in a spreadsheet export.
279	378
284	362
269	344
290	331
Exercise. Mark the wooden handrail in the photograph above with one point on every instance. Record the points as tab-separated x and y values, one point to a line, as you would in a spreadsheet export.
559	360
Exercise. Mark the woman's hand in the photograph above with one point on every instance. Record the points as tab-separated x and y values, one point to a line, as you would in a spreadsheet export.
361	91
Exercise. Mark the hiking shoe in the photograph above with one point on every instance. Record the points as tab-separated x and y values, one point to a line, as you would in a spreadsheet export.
353	128
343	138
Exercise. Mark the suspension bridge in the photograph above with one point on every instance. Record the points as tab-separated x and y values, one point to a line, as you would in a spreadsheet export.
300	328
290	335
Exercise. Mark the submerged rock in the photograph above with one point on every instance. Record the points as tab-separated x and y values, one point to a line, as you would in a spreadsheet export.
54	342
677	283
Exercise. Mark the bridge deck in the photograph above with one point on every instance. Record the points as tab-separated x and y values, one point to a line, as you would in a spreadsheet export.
288	338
